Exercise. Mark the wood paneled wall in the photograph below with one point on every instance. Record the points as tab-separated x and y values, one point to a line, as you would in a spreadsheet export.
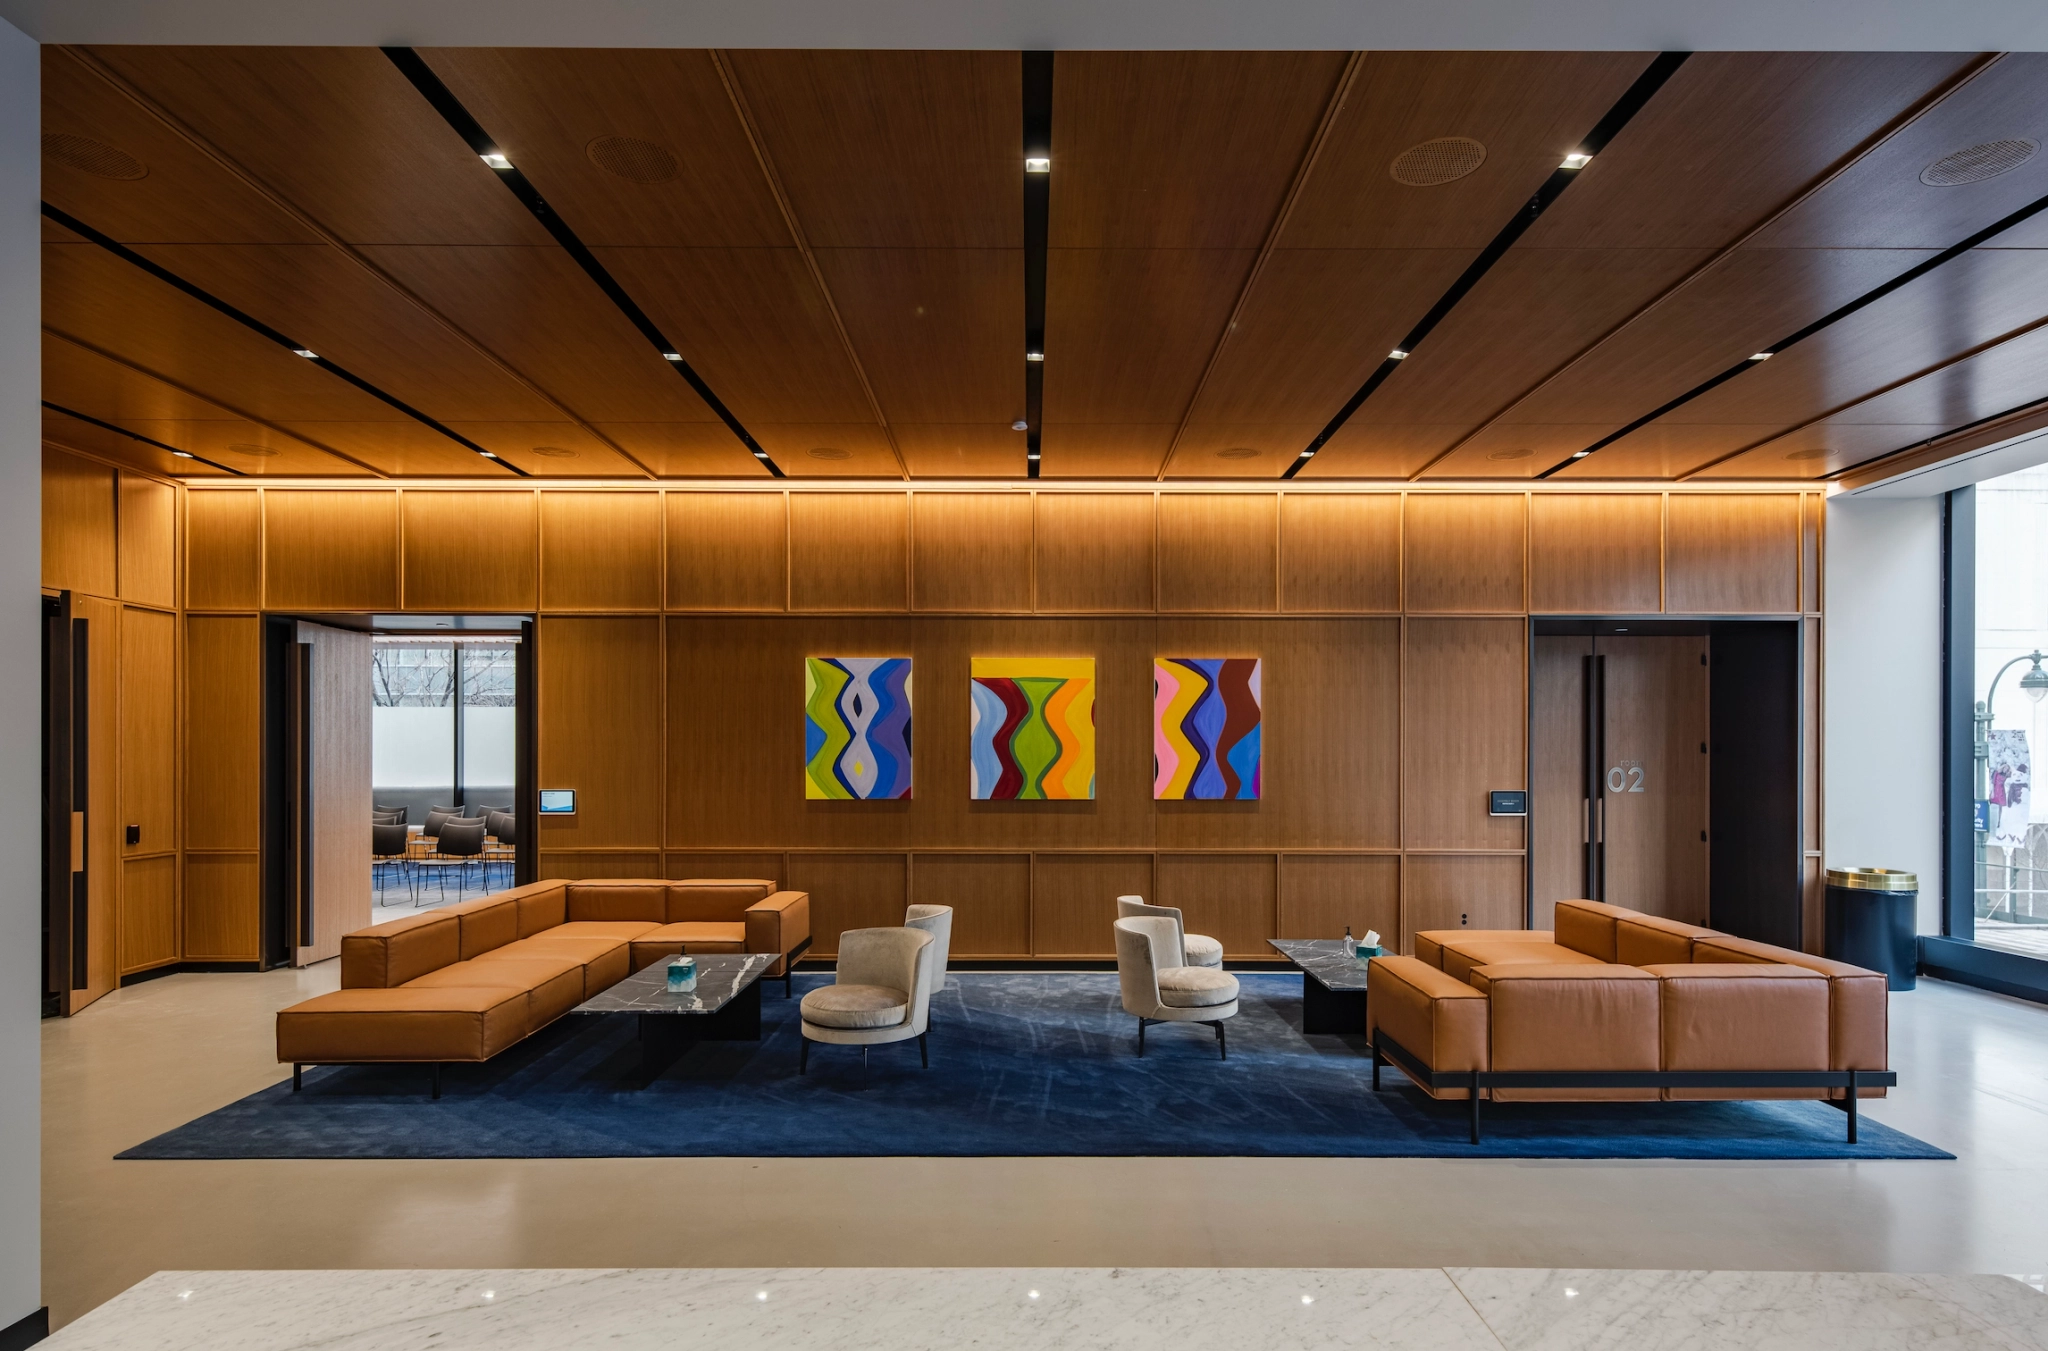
1393	626
111	538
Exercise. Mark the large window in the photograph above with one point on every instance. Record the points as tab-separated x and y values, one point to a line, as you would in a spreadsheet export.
444	724
2011	593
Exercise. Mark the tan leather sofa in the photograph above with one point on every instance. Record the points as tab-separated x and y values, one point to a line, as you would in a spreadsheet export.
463	982
1617	1004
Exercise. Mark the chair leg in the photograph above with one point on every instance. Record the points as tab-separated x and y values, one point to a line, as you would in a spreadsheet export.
1222	1043
295	1077
923	1056
1473	1092
437	1081
1375	1064
803	1055
1141	1038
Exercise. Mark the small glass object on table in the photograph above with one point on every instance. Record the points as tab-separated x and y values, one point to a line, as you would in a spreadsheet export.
682	974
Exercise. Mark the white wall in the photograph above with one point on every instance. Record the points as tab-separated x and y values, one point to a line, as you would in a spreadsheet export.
1881	724
21	905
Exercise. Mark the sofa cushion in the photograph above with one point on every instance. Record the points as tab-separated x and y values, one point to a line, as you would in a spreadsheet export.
1652	940
489	923
1461	957
670	939
1576	1016
1430	1015
616	931
713	899
1201	950
1743	1016
1196	987
405	1024
856	1006
611	901
779	923
388	955
553	985
542	906
1429	942
1588	927
1858	1011
605	961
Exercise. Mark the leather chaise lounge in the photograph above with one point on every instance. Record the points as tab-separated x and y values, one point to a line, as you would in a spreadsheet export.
1618	1004
464	982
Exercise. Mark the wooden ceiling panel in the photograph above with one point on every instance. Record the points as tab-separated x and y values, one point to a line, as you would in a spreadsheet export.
1179	150
1216	449
684	449
1104	449
1129	332
850	449
535	447
399	449
753	324
690	179
1515	450
537	310
974	450
1527	108
1667	449
1367	450
318	297
172	191
1881	203
1810	457
940	332
881	149
71	434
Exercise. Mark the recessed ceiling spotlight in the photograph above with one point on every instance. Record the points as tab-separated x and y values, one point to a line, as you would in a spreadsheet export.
671	356
1034	356
489	455
1581	454
1511	455
184	454
1238	453
1020	425
1578	159
306	352
1305	455
496	159
1397	355
1038	164
1761	356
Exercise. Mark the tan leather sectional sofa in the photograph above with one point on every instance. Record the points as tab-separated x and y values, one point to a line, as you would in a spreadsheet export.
464	982
1618	1004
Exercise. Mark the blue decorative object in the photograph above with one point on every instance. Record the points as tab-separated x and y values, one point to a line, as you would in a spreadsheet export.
682	974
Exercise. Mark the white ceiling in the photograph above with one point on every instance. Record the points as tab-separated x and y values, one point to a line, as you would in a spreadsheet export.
1302	25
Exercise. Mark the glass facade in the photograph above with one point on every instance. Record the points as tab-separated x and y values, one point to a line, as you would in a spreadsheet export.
2008	685
444	724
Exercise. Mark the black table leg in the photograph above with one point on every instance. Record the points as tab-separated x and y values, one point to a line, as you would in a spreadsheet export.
1326	1010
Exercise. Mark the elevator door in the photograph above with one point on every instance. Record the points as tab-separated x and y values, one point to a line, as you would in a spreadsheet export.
1620	736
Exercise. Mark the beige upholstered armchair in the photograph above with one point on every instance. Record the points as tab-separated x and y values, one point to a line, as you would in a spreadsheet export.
881	992
936	920
1158	991
1195	949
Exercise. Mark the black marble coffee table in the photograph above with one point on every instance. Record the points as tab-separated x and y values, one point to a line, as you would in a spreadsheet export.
1332	983
725	1006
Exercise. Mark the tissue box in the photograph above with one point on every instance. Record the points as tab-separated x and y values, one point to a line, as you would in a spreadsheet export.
682	974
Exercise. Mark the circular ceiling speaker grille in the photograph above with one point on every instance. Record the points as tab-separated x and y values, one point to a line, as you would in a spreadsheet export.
829	453
555	452
630	157
1511	455
1819	452
1238	453
1978	163
1444	160
260	452
93	157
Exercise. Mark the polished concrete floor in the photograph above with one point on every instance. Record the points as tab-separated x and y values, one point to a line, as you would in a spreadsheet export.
1973	1069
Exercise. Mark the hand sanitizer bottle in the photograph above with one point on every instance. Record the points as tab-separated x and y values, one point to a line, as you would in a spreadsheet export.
1350	944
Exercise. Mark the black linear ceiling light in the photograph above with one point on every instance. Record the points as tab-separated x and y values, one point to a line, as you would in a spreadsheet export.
1037	217
443	100
257	326
145	440
1563	176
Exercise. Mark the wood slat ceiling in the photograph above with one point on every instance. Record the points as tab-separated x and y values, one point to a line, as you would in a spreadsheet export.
834	240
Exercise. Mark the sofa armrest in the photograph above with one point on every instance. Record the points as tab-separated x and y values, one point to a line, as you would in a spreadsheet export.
1437	1017
778	923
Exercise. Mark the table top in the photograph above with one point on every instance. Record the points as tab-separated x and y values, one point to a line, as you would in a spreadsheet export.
720	977
1325	959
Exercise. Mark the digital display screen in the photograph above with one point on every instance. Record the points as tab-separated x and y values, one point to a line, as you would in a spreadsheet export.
558	802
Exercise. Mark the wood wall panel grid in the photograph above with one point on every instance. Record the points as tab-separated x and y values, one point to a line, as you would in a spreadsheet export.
223	732
849	551
470	551
971	552
1340	553
1321	894
1463	553
1813	515
767	866
149	729
149	913
1094	552
577	864
1464	727
1732	553
728	551
78	524
1813	902
103	800
601	690
1329	736
850	891
224	550
1452	891
1073	900
223	901
1218	551
1596	554
338	742
1811	795
990	895
1233	898
327	550
148	514
600	551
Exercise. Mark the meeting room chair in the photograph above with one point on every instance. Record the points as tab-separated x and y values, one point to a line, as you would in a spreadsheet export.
1195	949
388	816
881	992
387	851
503	827
1156	991
459	844
936	920
438	817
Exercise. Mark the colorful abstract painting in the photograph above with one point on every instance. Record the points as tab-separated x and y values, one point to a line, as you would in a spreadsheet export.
856	727
1033	733
1205	727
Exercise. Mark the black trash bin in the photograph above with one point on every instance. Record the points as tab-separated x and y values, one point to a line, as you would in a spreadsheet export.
1871	921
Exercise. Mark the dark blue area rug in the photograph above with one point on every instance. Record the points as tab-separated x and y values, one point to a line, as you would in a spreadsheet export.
1022	1064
